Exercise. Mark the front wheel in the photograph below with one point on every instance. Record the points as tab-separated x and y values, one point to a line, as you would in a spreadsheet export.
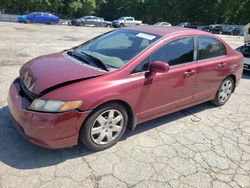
121	25
28	21
104	127
225	90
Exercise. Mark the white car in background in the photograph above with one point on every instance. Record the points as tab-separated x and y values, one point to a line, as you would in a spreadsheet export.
126	22
163	24
245	49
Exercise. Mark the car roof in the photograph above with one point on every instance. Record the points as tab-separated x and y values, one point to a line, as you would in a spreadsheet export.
164	31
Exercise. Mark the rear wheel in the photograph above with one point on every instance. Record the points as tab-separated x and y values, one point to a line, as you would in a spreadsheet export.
104	127
225	90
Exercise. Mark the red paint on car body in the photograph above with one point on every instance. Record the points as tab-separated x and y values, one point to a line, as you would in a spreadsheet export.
148	98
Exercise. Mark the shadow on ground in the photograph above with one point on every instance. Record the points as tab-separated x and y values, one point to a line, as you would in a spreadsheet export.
18	153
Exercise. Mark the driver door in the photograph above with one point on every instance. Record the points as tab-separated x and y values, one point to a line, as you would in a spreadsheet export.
38	17
175	88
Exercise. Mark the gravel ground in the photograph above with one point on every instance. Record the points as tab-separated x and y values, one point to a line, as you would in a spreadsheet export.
202	146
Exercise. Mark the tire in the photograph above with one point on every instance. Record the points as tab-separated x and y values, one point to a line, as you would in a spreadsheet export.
51	22
121	25
224	92
28	21
108	25
81	24
95	135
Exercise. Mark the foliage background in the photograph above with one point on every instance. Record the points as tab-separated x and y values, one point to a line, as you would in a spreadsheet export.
150	11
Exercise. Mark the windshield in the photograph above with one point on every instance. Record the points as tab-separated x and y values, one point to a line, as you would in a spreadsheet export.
122	18
117	48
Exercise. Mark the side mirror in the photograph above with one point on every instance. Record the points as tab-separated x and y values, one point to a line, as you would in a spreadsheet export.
157	67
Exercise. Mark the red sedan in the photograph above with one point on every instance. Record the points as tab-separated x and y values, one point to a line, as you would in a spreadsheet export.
95	91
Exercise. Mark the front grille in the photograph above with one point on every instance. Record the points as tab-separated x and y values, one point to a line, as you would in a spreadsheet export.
24	92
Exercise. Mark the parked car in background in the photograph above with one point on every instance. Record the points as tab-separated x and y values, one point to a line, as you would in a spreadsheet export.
188	25
126	22
216	29
95	91
39	17
232	31
183	24
245	49
90	21
206	28
22	18
163	24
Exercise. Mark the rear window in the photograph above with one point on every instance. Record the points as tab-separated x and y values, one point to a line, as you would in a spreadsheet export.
210	48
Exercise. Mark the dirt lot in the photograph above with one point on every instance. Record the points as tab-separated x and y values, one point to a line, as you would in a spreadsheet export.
202	146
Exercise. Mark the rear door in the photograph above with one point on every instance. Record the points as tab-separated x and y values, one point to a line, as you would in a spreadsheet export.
91	21
212	66
46	18
87	21
129	22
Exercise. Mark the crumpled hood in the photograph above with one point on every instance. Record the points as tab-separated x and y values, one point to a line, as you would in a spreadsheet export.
48	71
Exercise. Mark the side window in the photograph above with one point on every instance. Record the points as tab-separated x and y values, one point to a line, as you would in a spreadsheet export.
210	48
176	52
142	67
129	19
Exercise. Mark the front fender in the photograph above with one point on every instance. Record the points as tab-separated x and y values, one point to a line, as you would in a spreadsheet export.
93	104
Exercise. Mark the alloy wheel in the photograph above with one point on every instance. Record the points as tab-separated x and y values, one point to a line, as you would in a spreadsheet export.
225	91
107	126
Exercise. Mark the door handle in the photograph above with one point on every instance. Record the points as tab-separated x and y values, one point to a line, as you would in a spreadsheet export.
189	73
221	65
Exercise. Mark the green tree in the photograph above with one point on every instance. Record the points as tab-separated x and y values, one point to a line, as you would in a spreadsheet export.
150	11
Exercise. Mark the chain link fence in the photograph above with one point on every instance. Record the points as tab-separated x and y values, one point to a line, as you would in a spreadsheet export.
8	17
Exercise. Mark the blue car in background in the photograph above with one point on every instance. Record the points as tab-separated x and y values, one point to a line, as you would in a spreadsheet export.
39	17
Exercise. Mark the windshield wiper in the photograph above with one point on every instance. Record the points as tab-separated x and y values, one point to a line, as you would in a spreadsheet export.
77	56
96	60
